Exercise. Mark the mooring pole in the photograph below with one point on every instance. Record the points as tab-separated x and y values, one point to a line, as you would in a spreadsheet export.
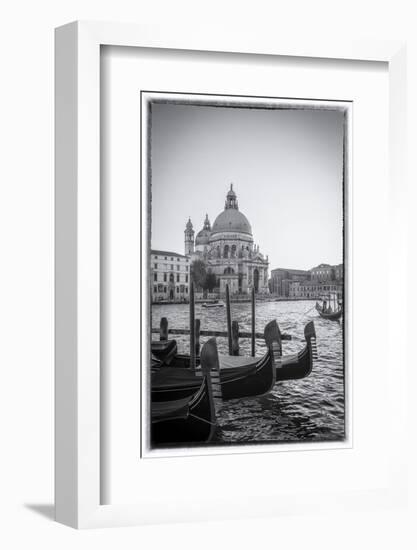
197	337
192	327
235	338
253	322
229	320
163	329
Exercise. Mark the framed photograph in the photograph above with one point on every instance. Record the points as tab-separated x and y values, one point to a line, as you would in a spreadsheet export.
291	158
223	207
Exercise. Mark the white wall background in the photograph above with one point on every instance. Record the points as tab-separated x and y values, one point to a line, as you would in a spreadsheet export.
26	275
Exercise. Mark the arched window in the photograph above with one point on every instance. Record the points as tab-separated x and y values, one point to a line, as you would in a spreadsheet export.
226	251
233	254
229	271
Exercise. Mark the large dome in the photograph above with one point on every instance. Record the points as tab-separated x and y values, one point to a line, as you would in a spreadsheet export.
231	221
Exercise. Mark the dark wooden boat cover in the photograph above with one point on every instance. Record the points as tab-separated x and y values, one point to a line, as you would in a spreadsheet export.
170	377
237	361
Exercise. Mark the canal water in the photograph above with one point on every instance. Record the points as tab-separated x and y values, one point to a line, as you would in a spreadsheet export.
311	409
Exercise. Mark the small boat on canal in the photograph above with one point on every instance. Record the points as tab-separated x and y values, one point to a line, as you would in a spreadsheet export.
330	308
212	304
191	419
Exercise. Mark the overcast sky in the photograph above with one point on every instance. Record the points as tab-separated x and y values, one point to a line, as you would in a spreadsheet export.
285	165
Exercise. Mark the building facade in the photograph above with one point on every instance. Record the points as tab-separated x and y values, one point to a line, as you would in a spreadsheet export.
315	290
314	283
170	276
281	279
228	250
325	272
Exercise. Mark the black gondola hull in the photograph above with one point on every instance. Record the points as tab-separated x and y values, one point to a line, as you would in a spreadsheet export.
178	381
195	426
295	367
242	382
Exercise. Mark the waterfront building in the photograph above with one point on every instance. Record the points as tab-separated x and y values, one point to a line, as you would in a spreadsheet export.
281	279
326	272
228	250
315	289
170	276
297	283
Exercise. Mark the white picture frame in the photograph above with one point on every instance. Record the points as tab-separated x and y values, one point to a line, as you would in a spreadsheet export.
146	450
78	405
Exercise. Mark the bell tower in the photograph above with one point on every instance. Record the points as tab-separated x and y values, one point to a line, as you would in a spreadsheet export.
189	238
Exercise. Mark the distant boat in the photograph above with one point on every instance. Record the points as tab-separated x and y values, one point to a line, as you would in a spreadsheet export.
330	308
213	304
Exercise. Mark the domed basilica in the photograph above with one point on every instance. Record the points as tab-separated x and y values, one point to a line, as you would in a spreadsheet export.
228	250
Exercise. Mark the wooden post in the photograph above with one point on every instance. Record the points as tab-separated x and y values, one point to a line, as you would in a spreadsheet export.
253	322
197	337
235	338
163	329
229	319
192	327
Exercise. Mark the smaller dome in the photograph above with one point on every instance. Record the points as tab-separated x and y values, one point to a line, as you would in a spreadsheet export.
203	236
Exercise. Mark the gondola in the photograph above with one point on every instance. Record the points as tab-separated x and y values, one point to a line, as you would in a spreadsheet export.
192	419
289	367
329	313
239	376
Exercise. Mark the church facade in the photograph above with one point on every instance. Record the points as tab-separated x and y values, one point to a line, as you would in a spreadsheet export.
228	250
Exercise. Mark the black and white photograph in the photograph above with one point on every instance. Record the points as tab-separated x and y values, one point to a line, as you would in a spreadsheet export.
246	269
